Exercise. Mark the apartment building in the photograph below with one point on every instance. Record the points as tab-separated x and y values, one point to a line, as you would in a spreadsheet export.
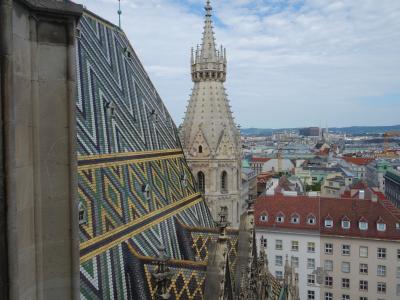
360	250
342	248
287	227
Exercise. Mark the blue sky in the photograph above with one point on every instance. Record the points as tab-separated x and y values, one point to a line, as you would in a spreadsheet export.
291	63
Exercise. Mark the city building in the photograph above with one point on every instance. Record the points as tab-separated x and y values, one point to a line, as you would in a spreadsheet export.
375	173
310	131
344	248
392	187
356	165
283	228
333	186
256	163
209	135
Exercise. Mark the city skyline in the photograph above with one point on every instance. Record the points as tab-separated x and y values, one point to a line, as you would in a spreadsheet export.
285	58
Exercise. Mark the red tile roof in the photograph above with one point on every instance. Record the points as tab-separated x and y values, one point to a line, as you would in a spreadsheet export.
260	159
361	161
336	209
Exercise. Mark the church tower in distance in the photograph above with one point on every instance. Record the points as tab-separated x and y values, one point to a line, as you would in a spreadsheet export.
210	137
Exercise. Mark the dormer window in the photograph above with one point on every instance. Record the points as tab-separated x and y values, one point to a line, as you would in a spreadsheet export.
200	149
184	180
264	217
363	225
295	219
82	215
146	191
311	220
280	218
345	224
381	226
328	223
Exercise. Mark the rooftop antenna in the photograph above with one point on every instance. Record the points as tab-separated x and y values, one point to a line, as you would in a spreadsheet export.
119	13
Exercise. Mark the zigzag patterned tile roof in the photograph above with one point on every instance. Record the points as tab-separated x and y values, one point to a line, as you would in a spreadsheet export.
134	186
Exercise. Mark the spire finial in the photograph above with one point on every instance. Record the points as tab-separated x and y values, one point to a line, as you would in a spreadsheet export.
119	13
208	8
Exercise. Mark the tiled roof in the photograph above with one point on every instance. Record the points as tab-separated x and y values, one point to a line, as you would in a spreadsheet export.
335	209
259	159
273	205
361	161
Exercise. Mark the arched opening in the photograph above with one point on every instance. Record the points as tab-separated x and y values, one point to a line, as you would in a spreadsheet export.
224	182
201	181
200	149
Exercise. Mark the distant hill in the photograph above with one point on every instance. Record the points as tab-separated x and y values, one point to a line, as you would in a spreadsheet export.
354	130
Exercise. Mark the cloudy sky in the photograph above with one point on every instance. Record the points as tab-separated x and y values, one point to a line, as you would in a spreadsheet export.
291	63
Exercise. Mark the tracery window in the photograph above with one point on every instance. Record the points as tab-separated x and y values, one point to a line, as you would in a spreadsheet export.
201	181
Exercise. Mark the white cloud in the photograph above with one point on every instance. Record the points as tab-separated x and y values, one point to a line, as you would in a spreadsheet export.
289	64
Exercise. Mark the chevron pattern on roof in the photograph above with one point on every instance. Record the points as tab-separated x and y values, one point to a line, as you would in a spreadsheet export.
133	180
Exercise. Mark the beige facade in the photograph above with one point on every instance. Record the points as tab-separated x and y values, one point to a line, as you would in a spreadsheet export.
209	136
369	267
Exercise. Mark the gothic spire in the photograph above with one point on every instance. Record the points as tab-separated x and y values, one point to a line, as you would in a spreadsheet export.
208	49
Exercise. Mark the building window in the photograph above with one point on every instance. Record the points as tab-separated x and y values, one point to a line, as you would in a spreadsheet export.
328	281
381	270
279	275
398	272
363	225
264	218
363	251
381	226
381	288
398	290
310	263
278	245
295	245
328	265
381	253
200	149
224	182
364	269
398	254
363	298
264	242
311	220
82	214
328	248
280	218
201	181
345	283
310	295
310	279
363	285
328	296
345	249
345	297
345	224
278	260
295	262
328	223
345	267
311	247
295	219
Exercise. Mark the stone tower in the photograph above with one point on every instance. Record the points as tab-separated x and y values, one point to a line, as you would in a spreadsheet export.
210	138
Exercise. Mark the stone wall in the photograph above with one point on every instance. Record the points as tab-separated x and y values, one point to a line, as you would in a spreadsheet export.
39	148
